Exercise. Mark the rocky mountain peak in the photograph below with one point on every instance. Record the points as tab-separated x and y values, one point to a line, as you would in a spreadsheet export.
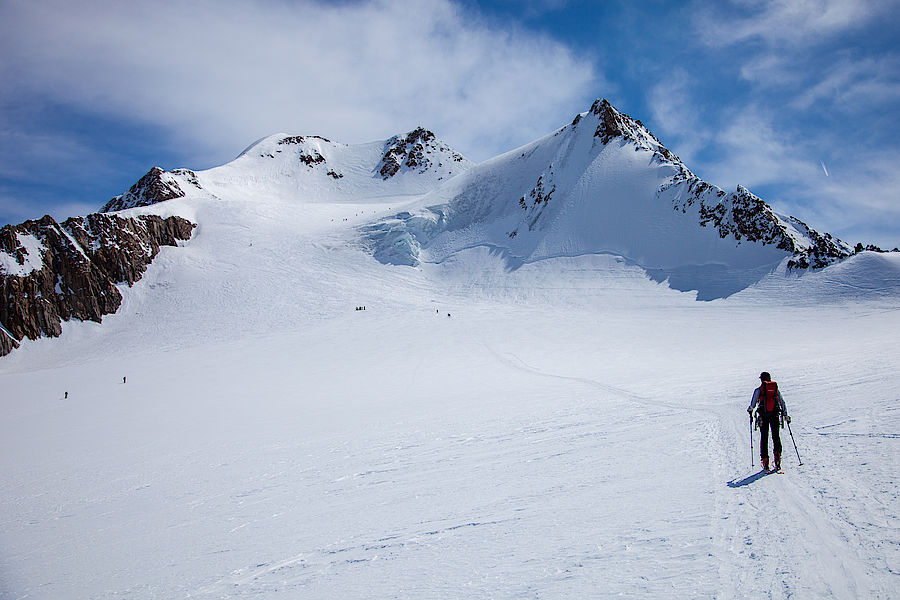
156	186
417	151
612	124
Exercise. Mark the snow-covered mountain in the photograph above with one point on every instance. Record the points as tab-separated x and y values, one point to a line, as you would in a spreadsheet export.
310	169
605	185
602	185
523	409
292	168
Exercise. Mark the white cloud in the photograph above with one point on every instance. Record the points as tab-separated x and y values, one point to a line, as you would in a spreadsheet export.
677	116
219	74
754	152
789	22
858	85
773	70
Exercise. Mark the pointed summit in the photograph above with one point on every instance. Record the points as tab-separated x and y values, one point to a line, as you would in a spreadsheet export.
604	184
612	122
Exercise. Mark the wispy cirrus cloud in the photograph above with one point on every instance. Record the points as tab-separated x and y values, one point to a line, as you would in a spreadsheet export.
679	117
808	90
784	22
755	152
856	85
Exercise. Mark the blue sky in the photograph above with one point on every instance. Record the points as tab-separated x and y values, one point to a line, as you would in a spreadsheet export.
797	100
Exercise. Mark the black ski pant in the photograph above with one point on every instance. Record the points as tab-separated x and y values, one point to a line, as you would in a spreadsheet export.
767	422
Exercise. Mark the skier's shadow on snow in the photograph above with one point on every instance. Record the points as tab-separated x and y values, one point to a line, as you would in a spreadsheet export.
736	483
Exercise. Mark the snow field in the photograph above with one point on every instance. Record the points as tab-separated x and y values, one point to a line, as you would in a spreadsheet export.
500	452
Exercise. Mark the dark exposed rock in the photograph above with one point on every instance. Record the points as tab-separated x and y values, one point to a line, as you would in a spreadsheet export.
612	123
540	196
299	139
411	152
744	216
824	250
75	276
312	158
154	187
308	156
538	193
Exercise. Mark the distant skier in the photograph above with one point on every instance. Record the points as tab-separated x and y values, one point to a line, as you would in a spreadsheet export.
770	408
123	380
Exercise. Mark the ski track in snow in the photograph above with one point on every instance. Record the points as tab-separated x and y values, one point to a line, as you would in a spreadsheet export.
572	430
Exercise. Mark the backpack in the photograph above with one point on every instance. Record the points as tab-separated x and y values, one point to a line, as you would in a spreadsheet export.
768	398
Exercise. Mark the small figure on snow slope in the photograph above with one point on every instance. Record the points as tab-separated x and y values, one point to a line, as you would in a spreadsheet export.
770	411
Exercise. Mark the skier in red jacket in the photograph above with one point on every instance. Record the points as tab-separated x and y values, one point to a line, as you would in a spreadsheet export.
770	410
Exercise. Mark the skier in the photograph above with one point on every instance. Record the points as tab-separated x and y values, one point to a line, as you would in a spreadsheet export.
770	406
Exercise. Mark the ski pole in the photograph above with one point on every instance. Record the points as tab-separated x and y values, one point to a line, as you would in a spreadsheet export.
795	443
751	441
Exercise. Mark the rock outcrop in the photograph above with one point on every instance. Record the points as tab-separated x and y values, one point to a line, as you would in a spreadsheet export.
156	186
413	152
52	272
740	215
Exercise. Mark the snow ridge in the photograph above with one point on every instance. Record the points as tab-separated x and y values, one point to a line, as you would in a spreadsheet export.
308	168
740	215
602	184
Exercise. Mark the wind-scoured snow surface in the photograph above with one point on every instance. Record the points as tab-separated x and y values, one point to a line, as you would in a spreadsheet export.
557	427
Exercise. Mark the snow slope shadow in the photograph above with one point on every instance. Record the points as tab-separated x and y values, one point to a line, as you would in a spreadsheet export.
711	282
